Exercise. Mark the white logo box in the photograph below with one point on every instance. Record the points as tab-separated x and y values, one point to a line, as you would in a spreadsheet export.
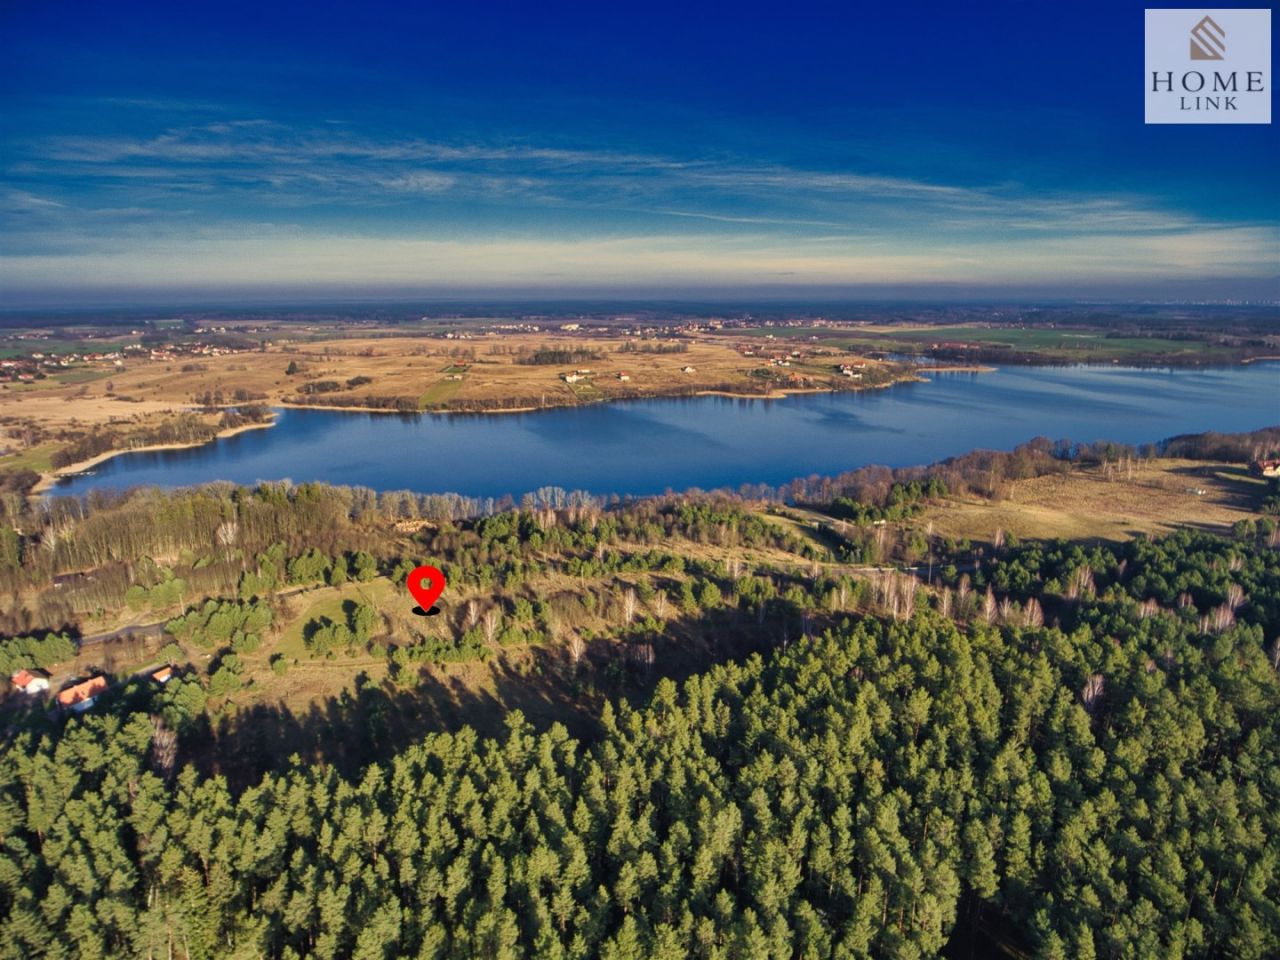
1207	65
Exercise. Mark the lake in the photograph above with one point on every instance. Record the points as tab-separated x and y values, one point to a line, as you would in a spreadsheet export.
650	446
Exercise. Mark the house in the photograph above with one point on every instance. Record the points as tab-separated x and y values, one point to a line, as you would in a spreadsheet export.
81	696
30	682
571	377
1265	468
688	370
163	675
624	377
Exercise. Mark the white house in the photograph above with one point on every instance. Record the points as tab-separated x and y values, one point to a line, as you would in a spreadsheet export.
30	683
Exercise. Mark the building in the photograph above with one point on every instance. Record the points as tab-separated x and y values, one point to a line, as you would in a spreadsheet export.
163	675
688	370
1266	469
81	696
624	377
30	682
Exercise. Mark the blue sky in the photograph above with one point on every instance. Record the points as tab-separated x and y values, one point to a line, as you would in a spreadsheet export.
237	149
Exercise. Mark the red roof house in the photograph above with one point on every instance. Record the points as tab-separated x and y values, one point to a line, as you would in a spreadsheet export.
29	683
81	696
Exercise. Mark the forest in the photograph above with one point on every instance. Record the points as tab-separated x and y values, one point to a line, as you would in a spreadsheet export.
1052	749
1101	783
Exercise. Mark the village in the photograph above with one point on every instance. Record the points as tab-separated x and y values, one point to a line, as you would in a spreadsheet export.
42	364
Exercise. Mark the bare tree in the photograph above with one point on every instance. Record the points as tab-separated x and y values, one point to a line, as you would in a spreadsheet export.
1080	583
473	614
492	621
1092	692
164	748
928	539
660	604
989	606
1222	618
907	588
576	648
628	606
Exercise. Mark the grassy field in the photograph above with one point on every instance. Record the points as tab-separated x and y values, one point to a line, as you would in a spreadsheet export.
33	458
1087	505
414	369
81	375
1080	345
10	346
440	393
1090	345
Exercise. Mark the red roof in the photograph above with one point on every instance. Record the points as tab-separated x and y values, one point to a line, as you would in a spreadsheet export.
22	678
163	674
82	691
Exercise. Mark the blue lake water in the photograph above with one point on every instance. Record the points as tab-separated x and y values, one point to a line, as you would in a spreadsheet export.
650	446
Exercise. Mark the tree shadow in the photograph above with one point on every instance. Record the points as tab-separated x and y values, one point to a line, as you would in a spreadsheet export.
373	720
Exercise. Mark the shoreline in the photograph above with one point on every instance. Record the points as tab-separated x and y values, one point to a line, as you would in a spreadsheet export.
773	394
337	408
958	368
49	479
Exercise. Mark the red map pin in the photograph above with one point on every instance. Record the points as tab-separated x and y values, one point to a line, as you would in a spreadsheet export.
426	584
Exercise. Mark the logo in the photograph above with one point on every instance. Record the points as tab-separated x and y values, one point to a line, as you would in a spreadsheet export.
1208	40
1208	66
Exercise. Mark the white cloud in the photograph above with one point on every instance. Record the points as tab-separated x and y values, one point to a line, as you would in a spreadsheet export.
271	255
188	206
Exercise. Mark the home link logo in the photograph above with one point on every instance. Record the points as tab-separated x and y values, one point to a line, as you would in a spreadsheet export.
1211	80
1208	40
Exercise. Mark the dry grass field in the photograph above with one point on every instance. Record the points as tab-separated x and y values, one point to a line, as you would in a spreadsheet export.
1086	505
435	373
478	373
